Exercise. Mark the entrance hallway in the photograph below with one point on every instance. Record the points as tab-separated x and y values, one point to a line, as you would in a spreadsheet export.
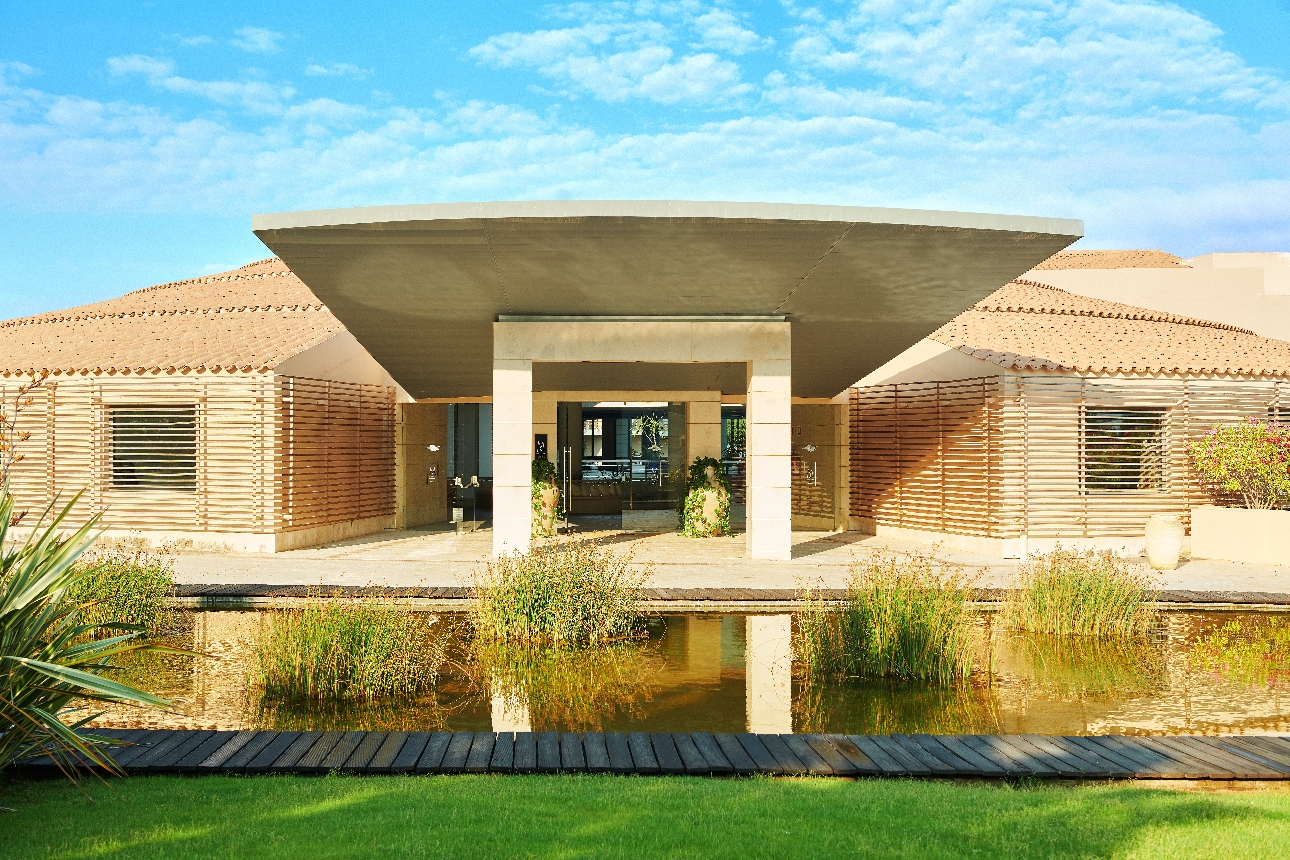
441	558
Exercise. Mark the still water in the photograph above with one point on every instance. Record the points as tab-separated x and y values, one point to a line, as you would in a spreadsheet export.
734	673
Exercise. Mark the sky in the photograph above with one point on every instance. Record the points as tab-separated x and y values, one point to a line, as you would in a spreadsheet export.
137	139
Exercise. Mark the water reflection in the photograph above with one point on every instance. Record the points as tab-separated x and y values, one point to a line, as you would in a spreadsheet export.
734	673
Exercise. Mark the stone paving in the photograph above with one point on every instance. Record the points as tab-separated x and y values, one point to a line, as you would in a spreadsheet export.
438	557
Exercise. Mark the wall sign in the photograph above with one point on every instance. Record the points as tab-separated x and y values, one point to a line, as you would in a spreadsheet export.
539	446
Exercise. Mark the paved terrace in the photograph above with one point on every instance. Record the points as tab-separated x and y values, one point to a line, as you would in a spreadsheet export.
439	558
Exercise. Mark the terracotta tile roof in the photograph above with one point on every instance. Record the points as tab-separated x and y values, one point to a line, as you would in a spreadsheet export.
247	320
1031	326
1112	260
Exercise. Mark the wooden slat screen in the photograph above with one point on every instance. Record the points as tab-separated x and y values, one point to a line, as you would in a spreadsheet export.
1000	457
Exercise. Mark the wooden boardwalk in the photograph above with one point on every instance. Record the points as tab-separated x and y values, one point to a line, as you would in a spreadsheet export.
147	751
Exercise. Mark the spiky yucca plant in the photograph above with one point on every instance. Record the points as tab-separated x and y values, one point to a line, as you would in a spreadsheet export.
48	656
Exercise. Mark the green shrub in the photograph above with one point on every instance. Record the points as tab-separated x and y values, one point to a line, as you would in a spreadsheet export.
1083	593
342	648
45	663
905	618
1250	460
1249	652
568	594
121	586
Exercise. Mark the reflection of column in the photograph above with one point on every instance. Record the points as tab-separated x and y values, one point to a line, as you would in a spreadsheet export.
512	455
769	673
703	649
769	489
509	712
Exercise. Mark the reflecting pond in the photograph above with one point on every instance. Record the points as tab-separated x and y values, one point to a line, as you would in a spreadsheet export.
734	673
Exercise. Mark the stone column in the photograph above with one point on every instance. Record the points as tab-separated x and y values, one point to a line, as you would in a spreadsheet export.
512	455
703	428
769	463
768	662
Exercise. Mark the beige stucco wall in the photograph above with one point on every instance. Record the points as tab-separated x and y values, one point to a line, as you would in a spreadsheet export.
1240	534
340	358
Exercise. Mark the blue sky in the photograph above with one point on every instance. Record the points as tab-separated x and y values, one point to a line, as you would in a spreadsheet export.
136	139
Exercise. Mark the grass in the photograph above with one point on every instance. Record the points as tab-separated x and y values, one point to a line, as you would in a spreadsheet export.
1254	652
1081	593
566	594
614	817
901	617
125	585
346	649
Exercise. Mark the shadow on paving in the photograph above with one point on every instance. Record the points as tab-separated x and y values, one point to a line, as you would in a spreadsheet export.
580	816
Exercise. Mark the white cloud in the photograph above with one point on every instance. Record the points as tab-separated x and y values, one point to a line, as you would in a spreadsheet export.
12	70
336	70
722	31
256	40
193	41
254	96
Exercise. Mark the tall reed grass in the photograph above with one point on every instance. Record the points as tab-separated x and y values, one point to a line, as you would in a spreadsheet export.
901	617
1081	593
124	585
567	594
346	649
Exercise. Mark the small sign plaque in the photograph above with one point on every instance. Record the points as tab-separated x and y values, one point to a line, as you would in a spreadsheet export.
539	446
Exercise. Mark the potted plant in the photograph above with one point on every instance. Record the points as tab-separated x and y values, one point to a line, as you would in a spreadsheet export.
1246	468
546	499
706	506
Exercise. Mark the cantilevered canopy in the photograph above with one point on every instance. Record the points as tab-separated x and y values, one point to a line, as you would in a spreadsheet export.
421	286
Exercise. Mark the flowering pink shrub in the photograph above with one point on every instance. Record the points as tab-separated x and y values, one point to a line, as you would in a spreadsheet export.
1250	459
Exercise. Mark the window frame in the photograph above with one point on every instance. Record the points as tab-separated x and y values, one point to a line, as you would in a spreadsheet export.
1105	485
167	465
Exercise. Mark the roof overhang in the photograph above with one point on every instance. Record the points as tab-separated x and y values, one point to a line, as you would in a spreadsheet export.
420	286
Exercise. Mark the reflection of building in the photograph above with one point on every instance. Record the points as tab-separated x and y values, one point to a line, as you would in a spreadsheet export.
406	346
769	656
1041	417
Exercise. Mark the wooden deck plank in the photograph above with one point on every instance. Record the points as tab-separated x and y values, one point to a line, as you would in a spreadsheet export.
814	762
142	746
170	762
878	755
766	763
713	757
968	762
693	760
1063	764
572	757
341	752
1235	763
480	754
895	751
414	749
1010	766
287	759
525	752
454	758
1151	764
593	744
1100	767
1194	767
824	748
1270	755
620	753
788	762
219	757
735	753
162	750
923	757
503	760
384	758
240	759
548	752
1179	765
199	753
1031	765
669	760
430	748
1269	768
312	761
642	750
864	766
1126	765
364	752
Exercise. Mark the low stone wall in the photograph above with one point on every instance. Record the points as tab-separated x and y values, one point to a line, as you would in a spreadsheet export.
1240	534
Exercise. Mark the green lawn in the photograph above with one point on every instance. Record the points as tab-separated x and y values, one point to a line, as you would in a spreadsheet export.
596	816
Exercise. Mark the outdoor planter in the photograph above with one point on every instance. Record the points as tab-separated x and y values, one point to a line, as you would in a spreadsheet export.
1164	541
1252	535
546	499
707	504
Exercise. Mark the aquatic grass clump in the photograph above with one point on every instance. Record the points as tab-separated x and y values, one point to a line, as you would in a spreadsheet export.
342	648
1253	652
124	586
566	594
1081	593
1084	668
901	617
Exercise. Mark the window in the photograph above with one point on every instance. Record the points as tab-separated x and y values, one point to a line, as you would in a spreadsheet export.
593	437
154	446
1123	449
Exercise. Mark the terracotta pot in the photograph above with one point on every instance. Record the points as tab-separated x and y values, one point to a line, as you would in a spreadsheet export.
1164	541
549	499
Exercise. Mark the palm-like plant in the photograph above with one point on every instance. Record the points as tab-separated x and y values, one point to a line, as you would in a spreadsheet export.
48	657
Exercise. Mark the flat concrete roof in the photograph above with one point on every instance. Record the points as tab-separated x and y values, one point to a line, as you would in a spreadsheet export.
420	285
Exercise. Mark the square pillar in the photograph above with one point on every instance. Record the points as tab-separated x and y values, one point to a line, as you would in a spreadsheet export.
769	460
512	455
703	428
